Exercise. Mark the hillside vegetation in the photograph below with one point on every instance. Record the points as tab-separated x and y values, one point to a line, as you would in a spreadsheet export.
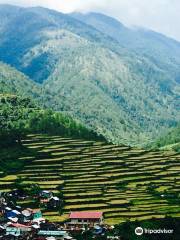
78	69
161	50
170	140
20	116
14	82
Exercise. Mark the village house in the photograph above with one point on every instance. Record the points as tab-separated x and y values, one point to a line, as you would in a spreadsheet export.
2	208
48	200
62	235
17	229
86	218
54	202
36	213
33	215
26	216
45	196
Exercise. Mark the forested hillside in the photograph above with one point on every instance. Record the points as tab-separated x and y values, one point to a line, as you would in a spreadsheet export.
169	140
163	51
15	82
68	65
20	116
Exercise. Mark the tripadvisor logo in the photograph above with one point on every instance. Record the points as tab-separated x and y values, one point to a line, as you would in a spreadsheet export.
138	231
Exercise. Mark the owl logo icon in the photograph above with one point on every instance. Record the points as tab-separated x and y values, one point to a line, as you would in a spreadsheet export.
139	231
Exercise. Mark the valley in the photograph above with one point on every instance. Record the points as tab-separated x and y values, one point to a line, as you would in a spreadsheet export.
89	126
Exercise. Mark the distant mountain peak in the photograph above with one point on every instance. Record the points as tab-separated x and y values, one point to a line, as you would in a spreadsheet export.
90	16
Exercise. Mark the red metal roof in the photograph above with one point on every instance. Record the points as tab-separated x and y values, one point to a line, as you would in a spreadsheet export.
18	225
85	215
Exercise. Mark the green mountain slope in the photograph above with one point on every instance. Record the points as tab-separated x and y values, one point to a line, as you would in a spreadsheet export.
163	51
98	89
123	95
13	81
169	140
35	26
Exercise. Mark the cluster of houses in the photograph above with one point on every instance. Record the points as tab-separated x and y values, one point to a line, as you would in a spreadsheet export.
47	198
26	223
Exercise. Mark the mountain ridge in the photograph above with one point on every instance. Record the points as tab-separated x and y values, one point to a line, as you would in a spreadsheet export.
84	72
144	41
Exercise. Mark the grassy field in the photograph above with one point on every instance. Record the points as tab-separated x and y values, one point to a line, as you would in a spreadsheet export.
123	182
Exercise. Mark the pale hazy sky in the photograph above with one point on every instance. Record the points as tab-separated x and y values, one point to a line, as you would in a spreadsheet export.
160	15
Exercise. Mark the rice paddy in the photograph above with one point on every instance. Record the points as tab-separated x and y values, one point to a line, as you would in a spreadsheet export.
125	183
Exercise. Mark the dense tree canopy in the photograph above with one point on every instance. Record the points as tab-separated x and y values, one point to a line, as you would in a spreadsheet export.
20	116
169	140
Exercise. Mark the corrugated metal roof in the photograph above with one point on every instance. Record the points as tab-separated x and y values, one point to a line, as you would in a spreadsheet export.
85	215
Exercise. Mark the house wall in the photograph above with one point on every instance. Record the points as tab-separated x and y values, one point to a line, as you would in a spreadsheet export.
86	221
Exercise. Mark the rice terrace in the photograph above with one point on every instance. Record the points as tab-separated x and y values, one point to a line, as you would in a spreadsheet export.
89	120
125	183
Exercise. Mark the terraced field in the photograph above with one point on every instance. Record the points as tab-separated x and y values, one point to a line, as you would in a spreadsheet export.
123	182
